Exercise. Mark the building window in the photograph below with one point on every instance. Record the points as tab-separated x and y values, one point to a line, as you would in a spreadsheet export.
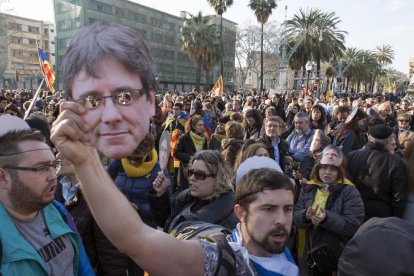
100	7
119	12
46	31
32	29
15	26
15	40
32	41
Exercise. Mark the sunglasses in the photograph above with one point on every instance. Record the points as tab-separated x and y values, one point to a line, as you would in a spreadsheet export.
199	175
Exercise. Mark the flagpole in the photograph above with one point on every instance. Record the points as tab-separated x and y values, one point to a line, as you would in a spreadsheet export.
33	100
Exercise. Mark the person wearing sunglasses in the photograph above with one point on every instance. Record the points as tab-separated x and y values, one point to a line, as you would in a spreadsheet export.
34	237
209	198
404	123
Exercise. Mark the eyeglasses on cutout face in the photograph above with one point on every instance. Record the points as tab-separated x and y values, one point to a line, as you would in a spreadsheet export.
40	169
199	175
122	97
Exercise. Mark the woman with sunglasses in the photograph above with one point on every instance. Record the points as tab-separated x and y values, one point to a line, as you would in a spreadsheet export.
329	208
209	198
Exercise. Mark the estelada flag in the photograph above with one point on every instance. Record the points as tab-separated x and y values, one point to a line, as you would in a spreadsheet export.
47	69
218	87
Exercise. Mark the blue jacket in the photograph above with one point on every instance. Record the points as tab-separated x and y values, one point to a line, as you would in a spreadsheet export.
299	146
136	189
20	258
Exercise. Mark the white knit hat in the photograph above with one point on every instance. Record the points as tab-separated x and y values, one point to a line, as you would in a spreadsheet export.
9	123
255	162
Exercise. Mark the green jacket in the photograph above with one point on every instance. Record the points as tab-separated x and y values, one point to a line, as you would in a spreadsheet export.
19	257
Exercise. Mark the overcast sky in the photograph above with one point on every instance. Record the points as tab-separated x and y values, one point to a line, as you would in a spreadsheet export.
369	23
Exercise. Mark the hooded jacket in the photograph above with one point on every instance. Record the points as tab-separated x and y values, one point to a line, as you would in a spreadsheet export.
20	258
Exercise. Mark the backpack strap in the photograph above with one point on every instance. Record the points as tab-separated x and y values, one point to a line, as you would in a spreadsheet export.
227	260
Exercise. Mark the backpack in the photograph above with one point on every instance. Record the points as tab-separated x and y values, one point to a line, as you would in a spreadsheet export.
199	230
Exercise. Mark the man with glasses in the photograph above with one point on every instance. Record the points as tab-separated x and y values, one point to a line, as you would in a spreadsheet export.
267	209
110	88
34	237
275	145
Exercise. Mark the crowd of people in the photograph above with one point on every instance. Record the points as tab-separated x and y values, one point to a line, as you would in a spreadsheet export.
288	175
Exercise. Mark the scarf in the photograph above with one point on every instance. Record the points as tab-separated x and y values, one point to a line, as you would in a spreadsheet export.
219	137
142	169
276	264
197	140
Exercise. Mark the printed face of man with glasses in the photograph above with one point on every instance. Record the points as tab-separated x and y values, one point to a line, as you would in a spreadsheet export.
118	110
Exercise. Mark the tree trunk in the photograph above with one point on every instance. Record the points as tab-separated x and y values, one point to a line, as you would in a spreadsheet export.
198	76
261	61
207	84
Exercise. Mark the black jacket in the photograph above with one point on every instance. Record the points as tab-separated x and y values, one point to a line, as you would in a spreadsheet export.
380	177
183	151
283	149
217	211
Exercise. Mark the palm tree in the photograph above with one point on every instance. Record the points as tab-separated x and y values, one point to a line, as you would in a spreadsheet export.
262	9
220	6
317	36
199	38
352	72
385	54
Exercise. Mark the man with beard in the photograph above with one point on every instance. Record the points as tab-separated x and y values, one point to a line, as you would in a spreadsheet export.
34	237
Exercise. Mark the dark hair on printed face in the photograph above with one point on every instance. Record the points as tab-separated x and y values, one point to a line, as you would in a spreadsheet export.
108	39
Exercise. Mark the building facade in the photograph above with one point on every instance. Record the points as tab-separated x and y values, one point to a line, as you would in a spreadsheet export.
161	31
19	38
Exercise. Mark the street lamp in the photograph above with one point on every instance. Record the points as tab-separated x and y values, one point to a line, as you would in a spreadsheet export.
308	67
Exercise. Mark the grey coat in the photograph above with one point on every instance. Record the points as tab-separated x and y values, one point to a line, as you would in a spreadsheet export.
344	216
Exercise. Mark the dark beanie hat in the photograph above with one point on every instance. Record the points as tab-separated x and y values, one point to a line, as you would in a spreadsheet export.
380	131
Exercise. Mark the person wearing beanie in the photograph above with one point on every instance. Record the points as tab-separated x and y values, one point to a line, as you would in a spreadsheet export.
379	175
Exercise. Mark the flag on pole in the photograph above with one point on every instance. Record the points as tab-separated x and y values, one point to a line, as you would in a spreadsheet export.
47	69
218	87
